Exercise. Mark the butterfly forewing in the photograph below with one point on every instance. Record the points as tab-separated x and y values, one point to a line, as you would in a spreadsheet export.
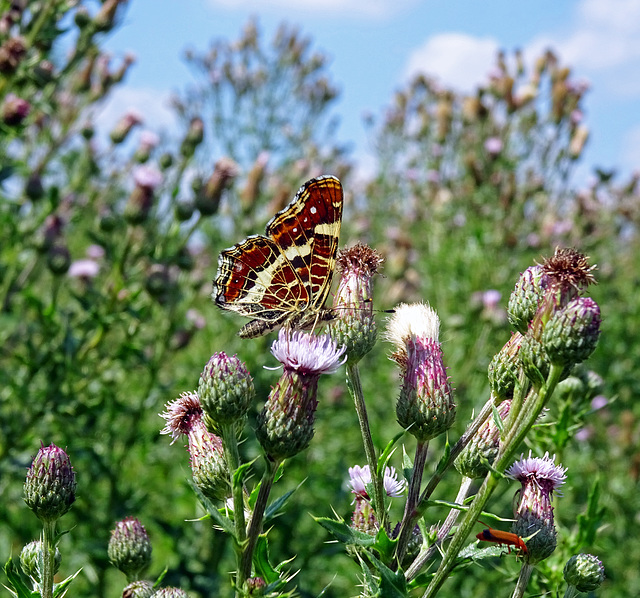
285	277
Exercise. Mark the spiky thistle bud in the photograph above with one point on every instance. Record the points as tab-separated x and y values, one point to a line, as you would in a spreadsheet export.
526	298
125	125
256	586
31	557
355	327
193	138
425	406
474	461
129	547
504	368
540	478
572	333
285	425
50	487
585	572
138	589
208	464
225	389
170	593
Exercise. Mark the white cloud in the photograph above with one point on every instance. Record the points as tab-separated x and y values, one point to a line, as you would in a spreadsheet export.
604	40
458	60
369	8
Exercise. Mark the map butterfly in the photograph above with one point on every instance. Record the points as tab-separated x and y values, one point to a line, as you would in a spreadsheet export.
283	278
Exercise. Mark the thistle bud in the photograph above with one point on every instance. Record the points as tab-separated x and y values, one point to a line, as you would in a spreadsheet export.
285	425
425	407
504	368
11	53
355	327
478	456
14	110
526	298
184	416
572	333
170	593
50	487
256	586
208	197
193	138
59	259
225	389
31	557
184	209
124	126
251	190
138	589
585	572
129	547
105	18
578	141
147	179
540	478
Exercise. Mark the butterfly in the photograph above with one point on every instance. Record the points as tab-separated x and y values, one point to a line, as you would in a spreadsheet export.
284	277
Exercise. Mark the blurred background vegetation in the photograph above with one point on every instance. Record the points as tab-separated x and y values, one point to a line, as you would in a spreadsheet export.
108	248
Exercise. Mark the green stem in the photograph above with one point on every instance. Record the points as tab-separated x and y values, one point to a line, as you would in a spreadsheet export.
232	456
523	581
48	556
255	525
532	408
355	388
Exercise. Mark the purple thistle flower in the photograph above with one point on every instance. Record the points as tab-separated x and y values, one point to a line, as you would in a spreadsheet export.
359	477
306	353
84	268
540	478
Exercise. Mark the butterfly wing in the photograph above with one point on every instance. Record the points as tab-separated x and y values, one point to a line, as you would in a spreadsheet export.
277	278
308	231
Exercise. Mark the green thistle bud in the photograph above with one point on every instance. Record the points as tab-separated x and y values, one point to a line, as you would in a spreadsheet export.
184	210
256	586
572	333
535	361
124	126
129	547
474	461
59	259
225	389
138	589
31	557
170	593
540	478
504	368
184	416
193	138
425	406
285	425
50	487
355	326
526	298
585	572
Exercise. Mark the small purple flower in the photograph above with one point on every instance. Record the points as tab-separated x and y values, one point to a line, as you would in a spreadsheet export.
491	298
148	140
540	471
84	268
493	146
307	353
598	402
95	252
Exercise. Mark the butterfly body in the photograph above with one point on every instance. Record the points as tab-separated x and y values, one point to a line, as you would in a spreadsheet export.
284	277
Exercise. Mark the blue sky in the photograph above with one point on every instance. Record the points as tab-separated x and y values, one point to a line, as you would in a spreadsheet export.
375	44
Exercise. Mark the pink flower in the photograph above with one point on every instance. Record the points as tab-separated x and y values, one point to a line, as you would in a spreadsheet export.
359	477
84	268
493	146
147	177
307	353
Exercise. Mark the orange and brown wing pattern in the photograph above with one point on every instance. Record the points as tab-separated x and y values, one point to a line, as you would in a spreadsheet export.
285	277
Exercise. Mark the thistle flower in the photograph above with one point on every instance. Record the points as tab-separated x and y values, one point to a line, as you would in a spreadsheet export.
585	572
14	110
285	425
225	390
208	465
540	478
355	326
147	179
474	461
50	487
125	125
138	589
170	592
425	406
129	547
84	268
360	477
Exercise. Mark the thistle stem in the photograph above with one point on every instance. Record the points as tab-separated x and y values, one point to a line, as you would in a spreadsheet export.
355	388
48	555
523	581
